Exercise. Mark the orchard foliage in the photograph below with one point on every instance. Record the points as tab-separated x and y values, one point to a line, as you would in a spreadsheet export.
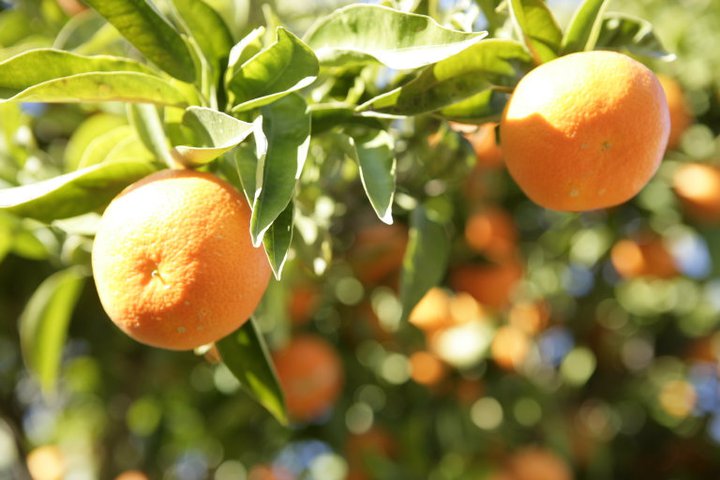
463	343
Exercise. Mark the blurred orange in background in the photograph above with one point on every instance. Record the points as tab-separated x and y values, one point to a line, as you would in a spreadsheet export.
697	185
680	114
492	285
378	252
646	256
311	375
491	231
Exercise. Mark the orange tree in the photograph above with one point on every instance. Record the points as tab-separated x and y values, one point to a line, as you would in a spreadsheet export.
450	327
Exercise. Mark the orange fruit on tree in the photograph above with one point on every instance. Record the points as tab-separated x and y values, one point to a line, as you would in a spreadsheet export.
491	285
643	257
132	475
362	448
484	143
510	347
680	114
538	463
491	231
697	185
585	131
426	369
173	261
311	375
304	301
432	312
378	252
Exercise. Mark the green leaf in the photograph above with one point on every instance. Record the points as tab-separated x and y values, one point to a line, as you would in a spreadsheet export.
426	256
246	164
631	34
246	355
208	29
141	24
85	134
584	28
73	193
483	107
487	64
130	149
537	27
399	40
278	238
286	128
149	127
375	157
31	68
78	30
325	116
44	322
99	148
217	133
249	46
282	68
48	75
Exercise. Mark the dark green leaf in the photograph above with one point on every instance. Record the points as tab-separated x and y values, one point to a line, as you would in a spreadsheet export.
375	157
278	238
537	27
286	127
217	134
141	24
487	64
246	355
486	106
246	164
426	256
282	68
208	29
631	34
400	40
584	28
328	115
73	193
44	322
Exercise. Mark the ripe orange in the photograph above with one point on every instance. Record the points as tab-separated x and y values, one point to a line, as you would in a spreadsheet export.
529	317
585	131
426	369
538	463
491	231
311	376
304	301
482	138
698	187
362	448
644	257
680	114
491	285
378	252
432	311
510	347
132	475
173	262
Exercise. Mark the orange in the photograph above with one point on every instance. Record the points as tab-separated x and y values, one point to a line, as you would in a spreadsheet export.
585	131
432	312
378	252
510	347
529	317
132	475
491	231
484	143
362	448
491	285
311	376
426	369
72	7
304	301
680	115
697	185
173	262
645	257
538	463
